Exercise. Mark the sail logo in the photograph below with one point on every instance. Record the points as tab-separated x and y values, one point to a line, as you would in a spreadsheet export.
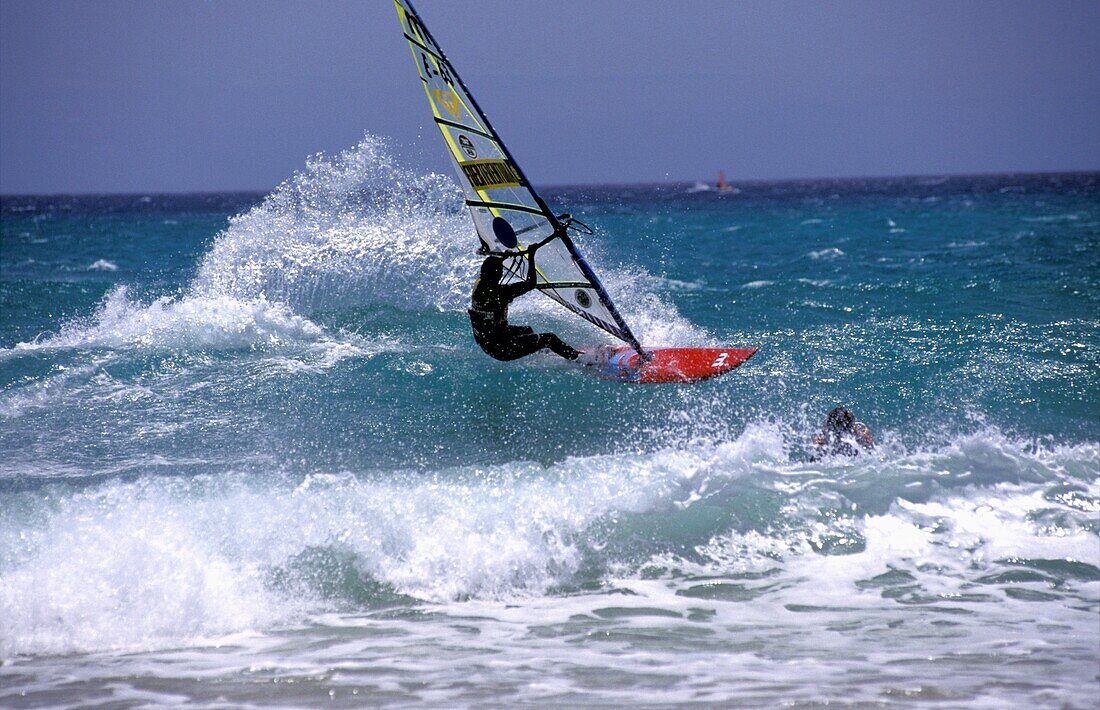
485	174
467	146
449	100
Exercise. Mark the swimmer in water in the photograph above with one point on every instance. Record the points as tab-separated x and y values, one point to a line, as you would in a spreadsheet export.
842	435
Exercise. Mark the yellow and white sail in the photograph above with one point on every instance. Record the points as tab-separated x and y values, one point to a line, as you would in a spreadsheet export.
509	215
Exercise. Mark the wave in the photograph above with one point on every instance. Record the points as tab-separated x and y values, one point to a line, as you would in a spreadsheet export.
103	265
170	323
125	329
354	230
127	565
350	229
359	229
830	253
1069	217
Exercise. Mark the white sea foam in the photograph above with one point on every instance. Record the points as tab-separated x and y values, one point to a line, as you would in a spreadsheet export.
122	568
678	285
1069	217
277	339
170	323
826	254
351	229
168	561
102	265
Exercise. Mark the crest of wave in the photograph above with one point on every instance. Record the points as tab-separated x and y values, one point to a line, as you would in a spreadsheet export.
360	229
347	229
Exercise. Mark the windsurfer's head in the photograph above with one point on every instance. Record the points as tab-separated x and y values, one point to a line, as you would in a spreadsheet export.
492	269
839	421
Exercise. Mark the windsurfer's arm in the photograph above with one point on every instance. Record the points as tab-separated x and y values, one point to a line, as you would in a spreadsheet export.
516	290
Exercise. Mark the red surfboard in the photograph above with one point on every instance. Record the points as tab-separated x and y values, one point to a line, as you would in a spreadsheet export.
624	364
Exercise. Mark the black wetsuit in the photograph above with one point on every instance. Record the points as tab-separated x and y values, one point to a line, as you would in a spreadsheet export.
489	318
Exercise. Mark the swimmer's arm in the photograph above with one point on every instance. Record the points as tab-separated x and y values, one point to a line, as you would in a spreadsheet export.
863	435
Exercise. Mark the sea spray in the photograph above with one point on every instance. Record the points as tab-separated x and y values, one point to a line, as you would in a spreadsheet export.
348	230
355	230
359	229
238	488
136	565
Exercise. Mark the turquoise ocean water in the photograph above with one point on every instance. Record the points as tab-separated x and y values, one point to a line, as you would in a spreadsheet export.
250	454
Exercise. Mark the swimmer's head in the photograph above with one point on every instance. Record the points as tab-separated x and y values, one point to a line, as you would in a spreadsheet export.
840	421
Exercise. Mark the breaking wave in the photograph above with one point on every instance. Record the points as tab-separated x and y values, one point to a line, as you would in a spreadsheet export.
168	561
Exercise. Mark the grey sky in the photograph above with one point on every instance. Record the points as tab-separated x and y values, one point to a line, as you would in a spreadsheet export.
221	95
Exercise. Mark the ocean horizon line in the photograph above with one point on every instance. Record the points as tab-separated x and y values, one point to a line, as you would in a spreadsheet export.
734	181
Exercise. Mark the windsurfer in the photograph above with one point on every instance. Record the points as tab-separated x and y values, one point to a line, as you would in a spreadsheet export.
489	315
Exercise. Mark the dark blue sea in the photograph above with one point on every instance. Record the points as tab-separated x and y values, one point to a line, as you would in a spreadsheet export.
251	456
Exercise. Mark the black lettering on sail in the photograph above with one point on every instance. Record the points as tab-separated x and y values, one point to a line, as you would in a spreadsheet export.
486	174
445	74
